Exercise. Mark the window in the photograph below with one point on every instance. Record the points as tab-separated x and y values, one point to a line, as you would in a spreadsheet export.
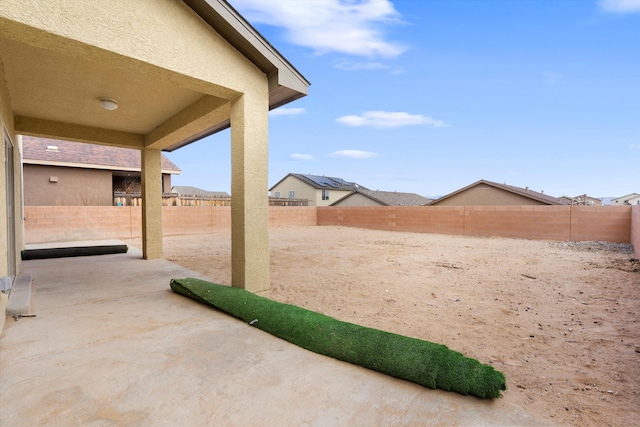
325	194
292	194
277	195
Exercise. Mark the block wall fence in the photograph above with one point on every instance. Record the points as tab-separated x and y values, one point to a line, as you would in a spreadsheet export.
566	223
71	223
635	230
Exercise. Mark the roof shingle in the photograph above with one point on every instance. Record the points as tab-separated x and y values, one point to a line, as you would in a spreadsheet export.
76	154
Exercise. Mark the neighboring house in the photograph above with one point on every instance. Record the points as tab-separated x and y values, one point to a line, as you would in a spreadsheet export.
582	200
188	191
629	199
74	174
318	190
487	193
193	196
364	197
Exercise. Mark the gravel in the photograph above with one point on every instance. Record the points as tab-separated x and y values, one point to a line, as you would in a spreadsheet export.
596	246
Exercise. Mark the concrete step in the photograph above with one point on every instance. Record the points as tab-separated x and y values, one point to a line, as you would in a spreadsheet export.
20	295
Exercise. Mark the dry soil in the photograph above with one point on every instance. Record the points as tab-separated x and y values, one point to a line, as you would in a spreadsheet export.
561	320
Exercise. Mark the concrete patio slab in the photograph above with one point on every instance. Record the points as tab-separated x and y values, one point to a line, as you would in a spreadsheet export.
113	345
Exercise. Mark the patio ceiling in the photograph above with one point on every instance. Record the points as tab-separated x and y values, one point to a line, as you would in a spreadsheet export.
55	85
47	86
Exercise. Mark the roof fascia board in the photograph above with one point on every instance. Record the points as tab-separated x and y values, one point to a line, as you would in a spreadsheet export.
223	18
525	193
495	185
89	166
279	182
375	199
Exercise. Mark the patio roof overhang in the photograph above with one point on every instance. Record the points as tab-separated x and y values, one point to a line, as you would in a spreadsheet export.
178	69
56	78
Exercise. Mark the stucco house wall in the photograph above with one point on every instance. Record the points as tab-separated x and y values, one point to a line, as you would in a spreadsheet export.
302	190
7	132
66	186
61	186
486	195
358	200
305	191
630	199
334	196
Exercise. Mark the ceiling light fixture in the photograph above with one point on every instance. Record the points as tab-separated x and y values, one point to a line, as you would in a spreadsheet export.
109	103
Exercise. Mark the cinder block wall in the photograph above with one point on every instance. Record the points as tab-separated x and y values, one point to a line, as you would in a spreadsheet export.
607	223
281	216
72	223
604	223
436	219
526	222
635	229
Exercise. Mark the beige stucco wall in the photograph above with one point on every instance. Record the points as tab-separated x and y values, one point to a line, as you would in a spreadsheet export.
75	186
166	183
6	125
334	196
631	201
358	200
486	195
165	42
165	39
306	191
302	190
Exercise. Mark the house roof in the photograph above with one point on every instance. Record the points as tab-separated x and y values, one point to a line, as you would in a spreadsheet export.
535	195
389	198
627	197
185	190
286	83
53	152
321	182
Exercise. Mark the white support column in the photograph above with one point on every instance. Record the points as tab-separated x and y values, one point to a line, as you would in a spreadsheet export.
249	193
151	162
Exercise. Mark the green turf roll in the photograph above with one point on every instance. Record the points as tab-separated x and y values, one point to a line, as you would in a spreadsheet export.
422	362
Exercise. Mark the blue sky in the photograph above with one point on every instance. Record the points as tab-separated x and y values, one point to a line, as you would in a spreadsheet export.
428	96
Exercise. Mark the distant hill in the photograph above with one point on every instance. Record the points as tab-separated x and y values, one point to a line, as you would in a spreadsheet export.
607	200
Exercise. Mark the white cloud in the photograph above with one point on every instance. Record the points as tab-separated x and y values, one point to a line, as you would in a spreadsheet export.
386	119
346	65
353	154
620	6
345	26
298	156
358	66
283	111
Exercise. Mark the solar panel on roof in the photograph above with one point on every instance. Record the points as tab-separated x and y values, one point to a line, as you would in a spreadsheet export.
326	181
321	181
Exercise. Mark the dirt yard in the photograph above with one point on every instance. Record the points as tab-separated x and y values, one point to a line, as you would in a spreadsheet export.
560	320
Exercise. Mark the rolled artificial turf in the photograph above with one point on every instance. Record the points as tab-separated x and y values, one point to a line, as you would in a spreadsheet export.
422	362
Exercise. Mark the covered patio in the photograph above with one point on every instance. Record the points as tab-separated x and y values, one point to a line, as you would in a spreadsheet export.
113	345
151	76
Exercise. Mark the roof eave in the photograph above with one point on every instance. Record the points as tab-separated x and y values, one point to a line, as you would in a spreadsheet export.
286	84
93	166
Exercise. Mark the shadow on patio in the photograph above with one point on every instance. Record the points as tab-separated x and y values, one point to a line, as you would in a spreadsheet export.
113	345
